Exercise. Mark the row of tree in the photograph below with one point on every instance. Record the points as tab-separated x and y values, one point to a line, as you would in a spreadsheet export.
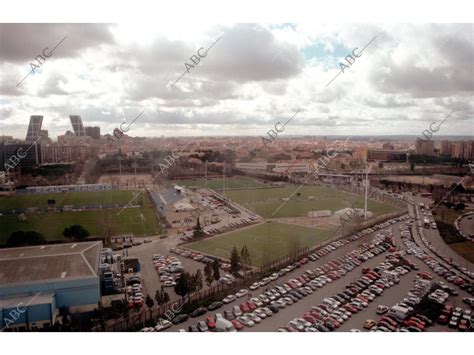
240	260
188	283
74	233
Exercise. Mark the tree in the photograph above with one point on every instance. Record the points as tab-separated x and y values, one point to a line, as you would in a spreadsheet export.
149	303
105	226
293	248
182	285
21	238
234	261
161	297
208	275
196	282
216	271
245	257
76	233
198	232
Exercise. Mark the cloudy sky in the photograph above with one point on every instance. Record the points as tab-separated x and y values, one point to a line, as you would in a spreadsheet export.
253	76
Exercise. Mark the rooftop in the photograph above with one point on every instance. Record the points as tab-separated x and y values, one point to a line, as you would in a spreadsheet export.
49	262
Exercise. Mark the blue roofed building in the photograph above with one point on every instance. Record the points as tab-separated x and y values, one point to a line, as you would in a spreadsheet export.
37	281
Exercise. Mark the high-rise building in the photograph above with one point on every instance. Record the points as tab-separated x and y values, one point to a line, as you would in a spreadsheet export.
44	133
34	128
446	148
21	154
424	147
457	150
77	125
93	132
466	150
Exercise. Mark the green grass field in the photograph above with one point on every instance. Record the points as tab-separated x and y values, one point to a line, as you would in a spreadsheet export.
266	201
235	182
64	199
266	242
51	225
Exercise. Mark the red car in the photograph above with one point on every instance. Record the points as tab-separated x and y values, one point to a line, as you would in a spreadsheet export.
412	322
251	305
443	319
315	315
211	322
244	307
350	308
425	275
464	325
458	282
334	322
389	320
365	270
448	309
237	325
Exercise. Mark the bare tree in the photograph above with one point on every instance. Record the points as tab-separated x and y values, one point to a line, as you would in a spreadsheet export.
105	227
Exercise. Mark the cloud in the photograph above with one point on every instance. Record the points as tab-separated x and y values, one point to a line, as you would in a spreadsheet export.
253	77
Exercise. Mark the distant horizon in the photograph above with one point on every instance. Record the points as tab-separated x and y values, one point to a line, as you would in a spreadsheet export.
282	137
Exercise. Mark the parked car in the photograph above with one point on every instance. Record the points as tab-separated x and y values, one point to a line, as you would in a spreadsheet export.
198	312
215	305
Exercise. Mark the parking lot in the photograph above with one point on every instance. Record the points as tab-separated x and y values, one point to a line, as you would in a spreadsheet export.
151	280
390	296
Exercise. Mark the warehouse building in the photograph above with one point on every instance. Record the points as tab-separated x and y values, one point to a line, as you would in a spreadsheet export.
37	281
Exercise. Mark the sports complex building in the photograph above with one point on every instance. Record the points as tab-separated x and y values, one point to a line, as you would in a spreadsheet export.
37	281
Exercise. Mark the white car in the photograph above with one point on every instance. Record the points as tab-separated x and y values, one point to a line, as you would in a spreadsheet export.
147	329
253	316
256	301
273	277
229	299
237	311
254	286
243	292
162	325
261	313
169	283
246	321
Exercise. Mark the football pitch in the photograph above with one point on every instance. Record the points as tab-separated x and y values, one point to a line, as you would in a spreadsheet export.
235	182
265	242
65	199
271	203
139	221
